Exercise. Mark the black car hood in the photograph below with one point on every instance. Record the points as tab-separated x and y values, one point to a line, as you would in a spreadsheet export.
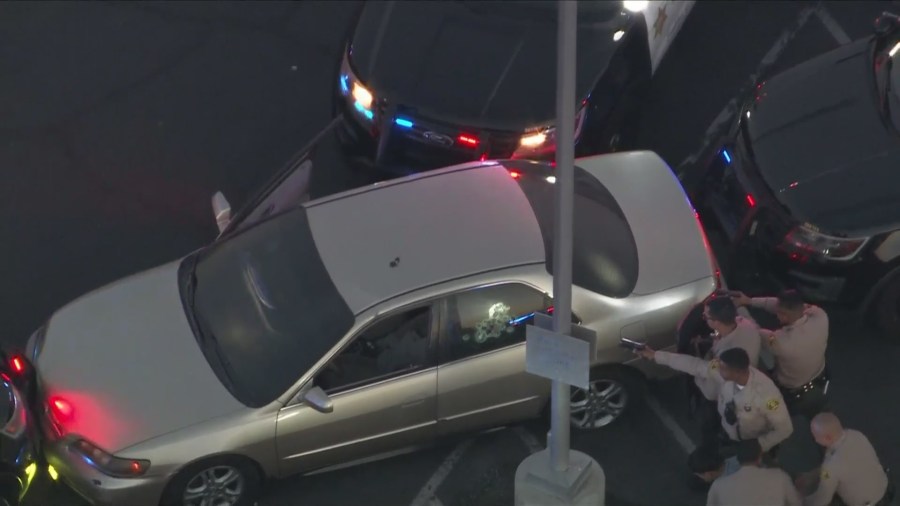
465	63
822	145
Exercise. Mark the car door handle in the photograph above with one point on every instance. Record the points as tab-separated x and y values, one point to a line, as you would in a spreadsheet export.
412	404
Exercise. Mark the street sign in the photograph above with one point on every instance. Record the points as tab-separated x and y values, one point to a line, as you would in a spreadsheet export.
545	321
557	357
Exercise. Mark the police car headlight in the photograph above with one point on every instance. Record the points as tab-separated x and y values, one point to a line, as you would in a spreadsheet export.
540	141
359	96
805	241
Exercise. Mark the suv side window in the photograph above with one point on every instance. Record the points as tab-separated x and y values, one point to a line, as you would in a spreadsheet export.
489	318
396	344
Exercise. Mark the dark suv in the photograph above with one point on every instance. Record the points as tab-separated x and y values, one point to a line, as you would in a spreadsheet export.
806	186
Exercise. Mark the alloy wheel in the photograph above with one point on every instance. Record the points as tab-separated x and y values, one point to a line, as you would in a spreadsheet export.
214	486
599	405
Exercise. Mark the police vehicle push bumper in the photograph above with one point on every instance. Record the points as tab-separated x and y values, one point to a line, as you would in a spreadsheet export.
20	459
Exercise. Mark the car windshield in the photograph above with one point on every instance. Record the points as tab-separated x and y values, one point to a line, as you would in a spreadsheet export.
544	11
265	308
604	253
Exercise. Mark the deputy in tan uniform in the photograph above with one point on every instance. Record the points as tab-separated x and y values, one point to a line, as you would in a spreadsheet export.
851	468
729	331
798	347
753	485
749	403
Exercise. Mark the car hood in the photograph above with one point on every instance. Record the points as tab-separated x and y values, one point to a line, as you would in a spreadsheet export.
454	63
126	360
820	142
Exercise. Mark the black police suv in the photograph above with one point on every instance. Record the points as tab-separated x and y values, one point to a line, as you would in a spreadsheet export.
429	84
19	458
806	186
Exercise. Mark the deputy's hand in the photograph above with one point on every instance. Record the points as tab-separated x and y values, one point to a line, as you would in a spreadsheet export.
647	353
740	299
805	481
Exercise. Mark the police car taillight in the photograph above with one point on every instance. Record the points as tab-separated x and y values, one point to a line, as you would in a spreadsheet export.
17	364
468	140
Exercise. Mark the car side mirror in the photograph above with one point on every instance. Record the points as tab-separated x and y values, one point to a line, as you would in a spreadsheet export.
318	400
221	210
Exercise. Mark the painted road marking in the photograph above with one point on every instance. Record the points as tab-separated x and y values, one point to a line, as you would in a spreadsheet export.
685	441
426	496
833	27
725	117
528	438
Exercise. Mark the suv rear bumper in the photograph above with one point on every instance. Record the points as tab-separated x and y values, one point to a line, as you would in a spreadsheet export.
746	239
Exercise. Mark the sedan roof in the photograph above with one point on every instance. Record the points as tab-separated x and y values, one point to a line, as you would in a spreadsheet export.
391	238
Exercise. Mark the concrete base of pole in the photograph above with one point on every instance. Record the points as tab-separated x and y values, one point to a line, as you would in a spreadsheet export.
538	484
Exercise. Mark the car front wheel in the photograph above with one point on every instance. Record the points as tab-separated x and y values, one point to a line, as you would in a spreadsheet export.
220	481
611	395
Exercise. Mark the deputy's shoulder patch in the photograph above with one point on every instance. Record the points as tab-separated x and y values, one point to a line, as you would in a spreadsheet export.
773	404
714	364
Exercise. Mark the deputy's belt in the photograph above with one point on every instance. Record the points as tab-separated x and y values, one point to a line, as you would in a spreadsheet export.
820	381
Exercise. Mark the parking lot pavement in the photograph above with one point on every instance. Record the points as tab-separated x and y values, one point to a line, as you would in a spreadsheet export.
119	120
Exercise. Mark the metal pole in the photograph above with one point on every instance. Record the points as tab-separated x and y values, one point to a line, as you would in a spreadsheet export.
562	243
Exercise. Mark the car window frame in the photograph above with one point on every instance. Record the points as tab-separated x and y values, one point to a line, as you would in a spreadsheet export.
434	319
445	318
294	395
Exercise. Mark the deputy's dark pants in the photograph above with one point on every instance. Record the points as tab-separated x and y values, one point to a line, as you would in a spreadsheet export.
808	400
693	325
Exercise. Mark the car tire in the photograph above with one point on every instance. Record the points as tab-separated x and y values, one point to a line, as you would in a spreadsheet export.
244	478
887	310
615	393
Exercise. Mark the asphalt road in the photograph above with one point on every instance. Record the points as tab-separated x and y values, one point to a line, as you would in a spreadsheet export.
119	120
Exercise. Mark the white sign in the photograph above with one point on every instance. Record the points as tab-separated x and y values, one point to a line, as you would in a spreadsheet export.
557	357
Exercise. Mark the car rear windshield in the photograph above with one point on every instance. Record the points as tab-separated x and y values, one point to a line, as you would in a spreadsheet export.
604	253
265	307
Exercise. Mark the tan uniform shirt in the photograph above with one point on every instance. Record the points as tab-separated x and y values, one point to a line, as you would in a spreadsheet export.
754	486
745	335
799	348
852	470
758	405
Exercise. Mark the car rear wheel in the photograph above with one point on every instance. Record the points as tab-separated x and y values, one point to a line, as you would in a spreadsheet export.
220	481
888	310
612	394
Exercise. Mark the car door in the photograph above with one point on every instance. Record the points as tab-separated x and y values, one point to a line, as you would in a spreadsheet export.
481	377
382	386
